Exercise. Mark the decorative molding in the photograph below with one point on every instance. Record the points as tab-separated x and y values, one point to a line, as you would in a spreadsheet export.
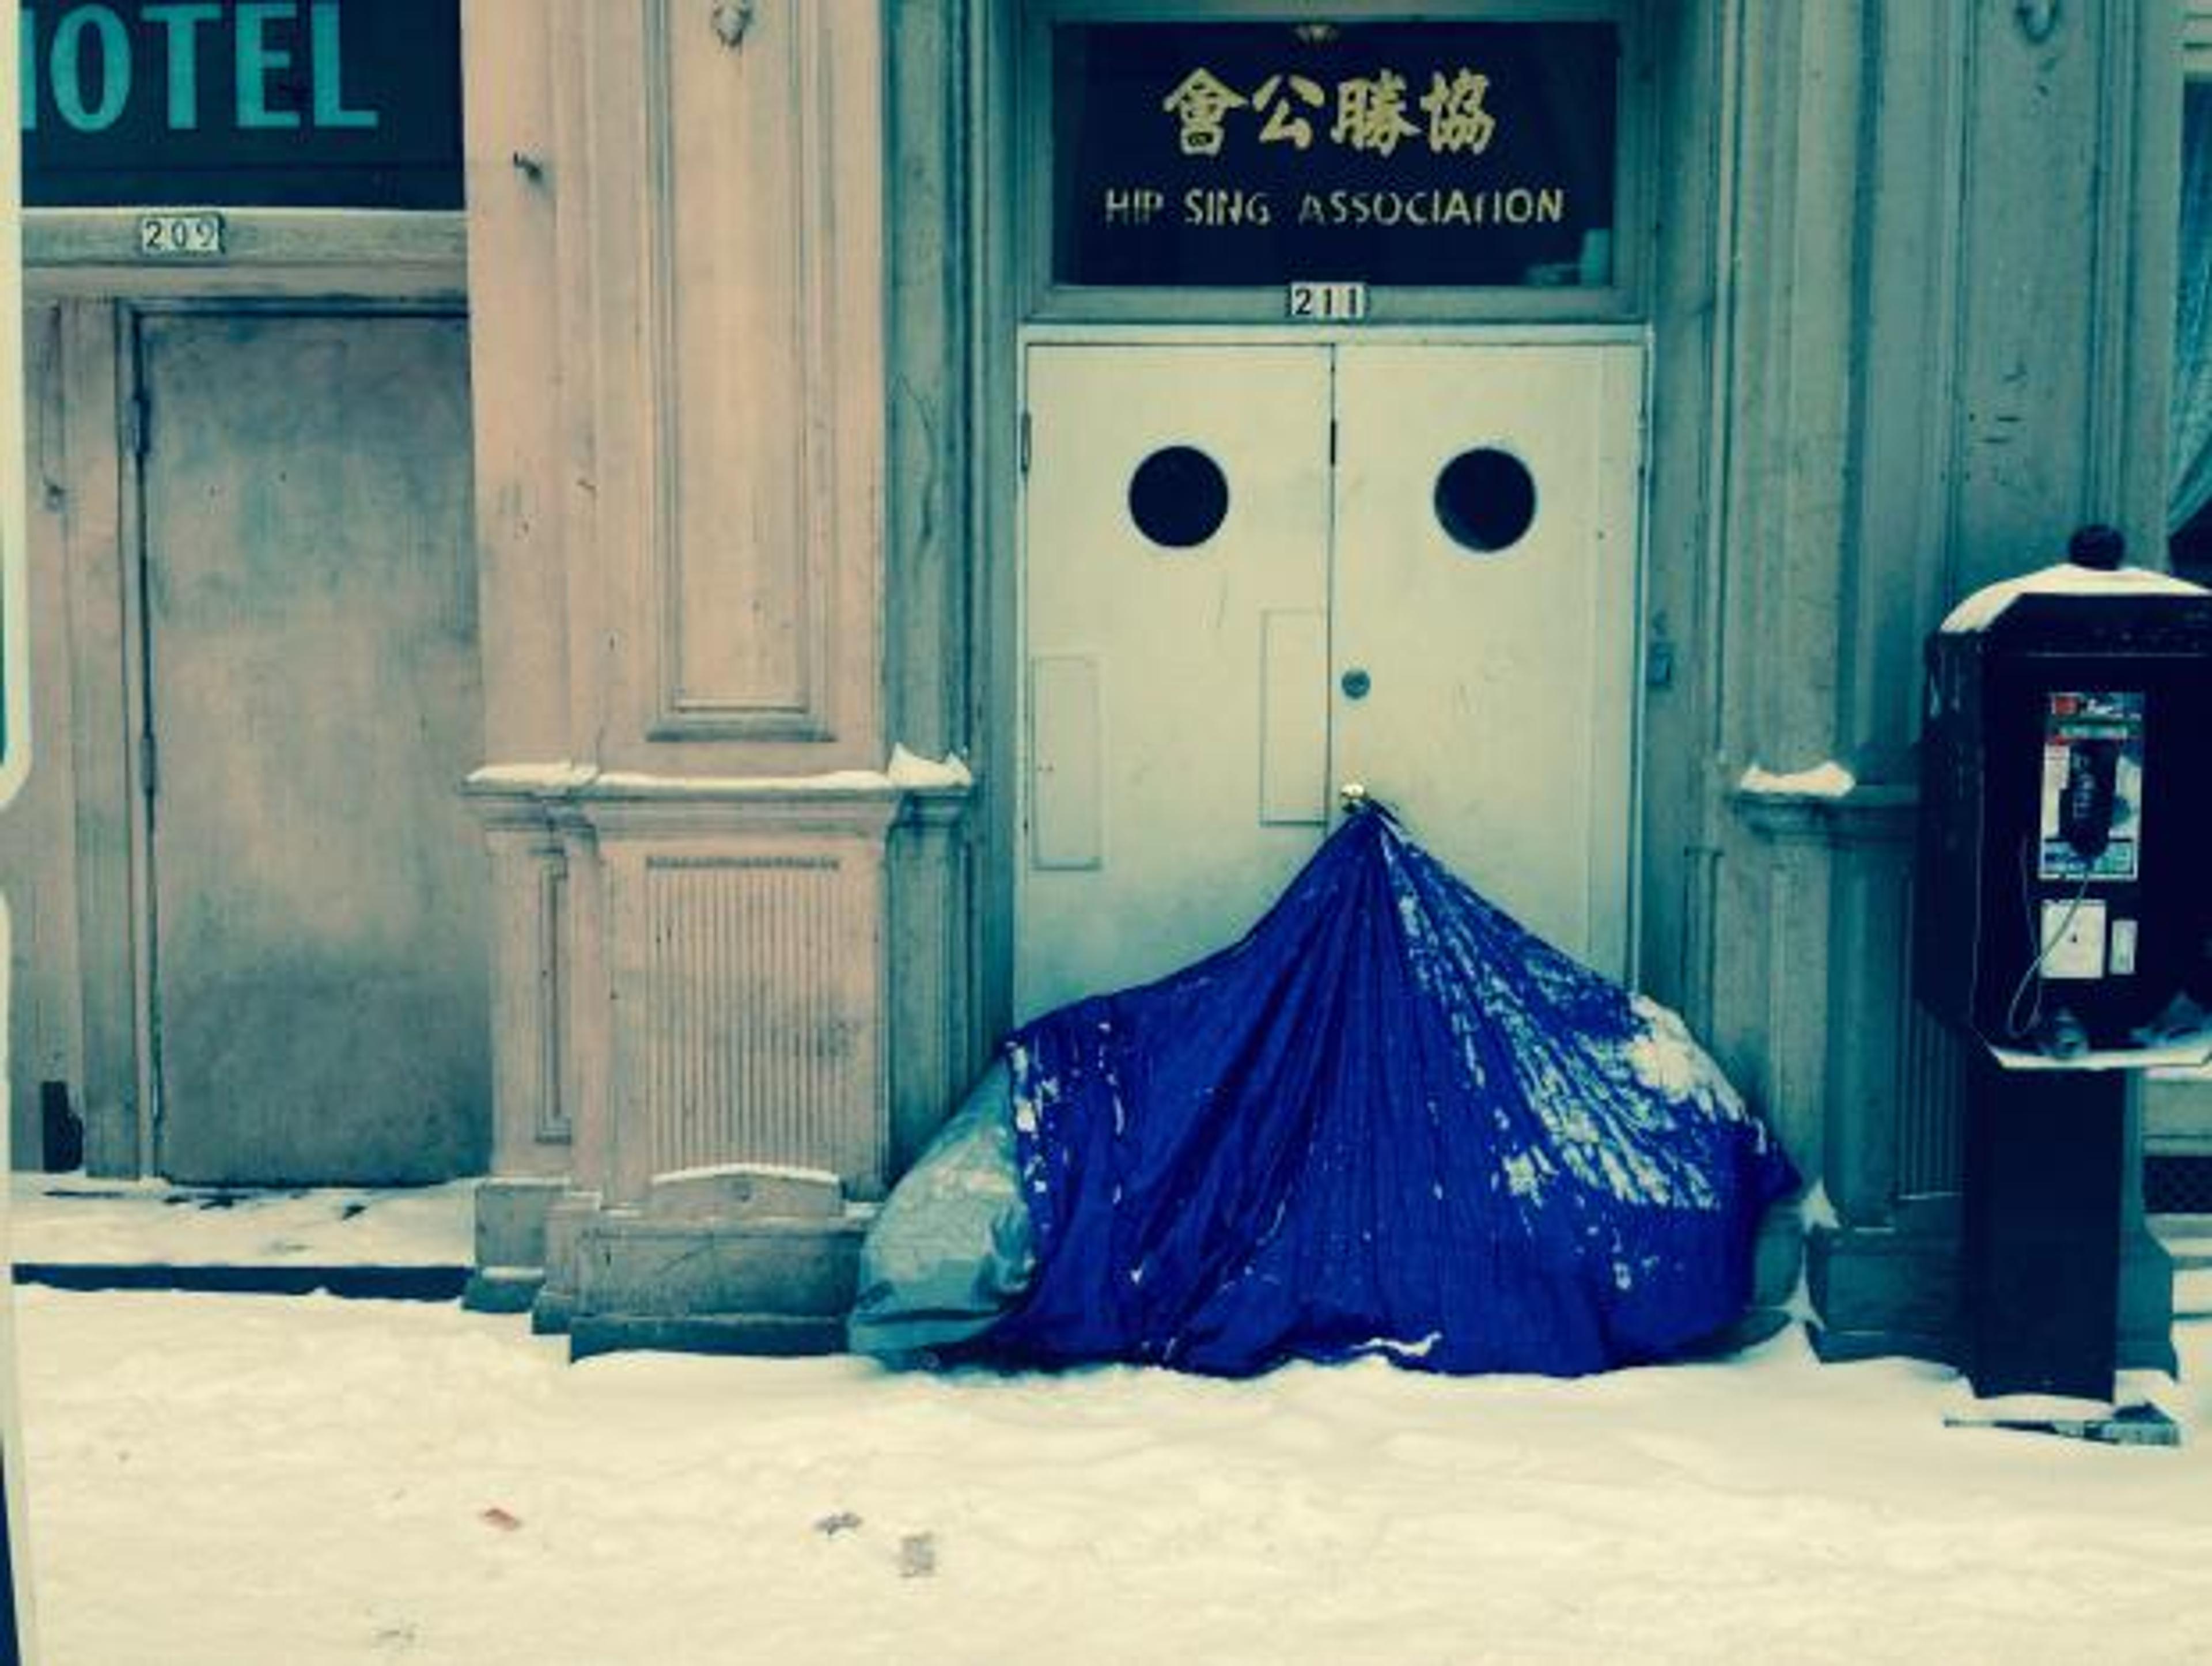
759	1031
700	963
2196	38
1905	507
276	236
529	977
934	1053
554	1126
761	415
541	795
391	253
1931	1128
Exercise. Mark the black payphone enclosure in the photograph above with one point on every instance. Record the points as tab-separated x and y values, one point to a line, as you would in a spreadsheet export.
2070	704
2061	910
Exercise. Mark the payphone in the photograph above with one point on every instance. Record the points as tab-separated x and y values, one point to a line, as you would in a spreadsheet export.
2063	927
2064	901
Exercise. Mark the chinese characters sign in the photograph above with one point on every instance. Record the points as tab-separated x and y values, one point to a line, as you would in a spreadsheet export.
283	103
1431	154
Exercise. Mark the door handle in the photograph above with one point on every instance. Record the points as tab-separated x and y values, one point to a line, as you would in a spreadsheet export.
1355	682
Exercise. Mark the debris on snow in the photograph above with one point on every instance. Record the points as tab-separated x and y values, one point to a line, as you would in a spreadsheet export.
917	1557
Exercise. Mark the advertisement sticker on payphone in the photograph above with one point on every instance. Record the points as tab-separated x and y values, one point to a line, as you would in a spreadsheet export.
2092	746
2090	831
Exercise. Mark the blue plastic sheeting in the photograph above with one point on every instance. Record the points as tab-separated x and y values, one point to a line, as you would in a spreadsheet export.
951	1250
1389	1121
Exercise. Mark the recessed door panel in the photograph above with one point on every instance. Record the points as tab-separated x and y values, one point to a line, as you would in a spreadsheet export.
313	688
1484	607
1175	586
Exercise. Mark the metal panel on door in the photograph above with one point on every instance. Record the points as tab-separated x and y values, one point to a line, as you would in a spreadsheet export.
1175	766
1484	588
314	692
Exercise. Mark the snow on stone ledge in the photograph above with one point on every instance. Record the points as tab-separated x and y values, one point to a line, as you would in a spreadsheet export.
1981	610
906	772
793	1171
1823	781
562	774
907	769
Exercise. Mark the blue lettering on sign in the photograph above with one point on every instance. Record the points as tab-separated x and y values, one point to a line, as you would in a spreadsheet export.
256	58
68	69
180	26
263	36
323	55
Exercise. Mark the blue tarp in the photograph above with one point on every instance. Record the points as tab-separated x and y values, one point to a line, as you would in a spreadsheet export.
1387	1121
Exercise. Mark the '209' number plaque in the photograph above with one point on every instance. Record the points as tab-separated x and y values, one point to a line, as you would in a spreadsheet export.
190	236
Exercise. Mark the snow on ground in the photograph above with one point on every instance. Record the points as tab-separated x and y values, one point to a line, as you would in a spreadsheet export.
68	1220
236	1480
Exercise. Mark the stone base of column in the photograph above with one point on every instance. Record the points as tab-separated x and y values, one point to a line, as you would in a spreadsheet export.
565	1222
741	1258
510	1242
696	977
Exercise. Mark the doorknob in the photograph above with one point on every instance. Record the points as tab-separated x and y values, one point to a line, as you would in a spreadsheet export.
1356	683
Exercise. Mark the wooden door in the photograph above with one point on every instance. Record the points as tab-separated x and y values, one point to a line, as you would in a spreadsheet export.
1483	604
314	692
1177	589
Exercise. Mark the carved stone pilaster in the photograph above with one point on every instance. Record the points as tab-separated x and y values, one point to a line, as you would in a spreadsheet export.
711	994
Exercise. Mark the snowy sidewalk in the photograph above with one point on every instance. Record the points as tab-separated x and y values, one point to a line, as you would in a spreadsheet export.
215	1479
219	1481
80	1233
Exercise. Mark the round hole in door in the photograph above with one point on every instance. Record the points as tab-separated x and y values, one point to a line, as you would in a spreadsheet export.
1178	497
1486	499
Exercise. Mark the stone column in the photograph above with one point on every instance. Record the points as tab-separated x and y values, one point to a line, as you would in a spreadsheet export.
677	242
1945	321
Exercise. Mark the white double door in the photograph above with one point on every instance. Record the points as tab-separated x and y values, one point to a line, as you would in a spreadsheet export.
1252	573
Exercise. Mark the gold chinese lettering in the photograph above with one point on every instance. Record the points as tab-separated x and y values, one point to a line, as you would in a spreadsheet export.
1284	124
1457	120
1370	112
1200	103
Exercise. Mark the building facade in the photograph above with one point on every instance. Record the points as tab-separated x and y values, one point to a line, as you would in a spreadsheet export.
932	513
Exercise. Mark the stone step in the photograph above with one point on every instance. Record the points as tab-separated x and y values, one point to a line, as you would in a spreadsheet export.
2187	1238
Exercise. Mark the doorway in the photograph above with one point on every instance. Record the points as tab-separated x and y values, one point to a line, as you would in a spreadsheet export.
1256	571
315	901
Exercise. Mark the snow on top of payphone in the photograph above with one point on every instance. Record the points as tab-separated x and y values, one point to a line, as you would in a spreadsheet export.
1981	610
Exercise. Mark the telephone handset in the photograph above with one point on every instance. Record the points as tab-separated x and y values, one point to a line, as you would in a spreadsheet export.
2087	803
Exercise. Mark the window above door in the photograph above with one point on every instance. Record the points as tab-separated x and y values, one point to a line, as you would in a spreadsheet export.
1189	163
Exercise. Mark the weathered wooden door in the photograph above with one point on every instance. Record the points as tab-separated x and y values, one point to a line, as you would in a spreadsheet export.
1253	572
313	696
1176	590
1484	600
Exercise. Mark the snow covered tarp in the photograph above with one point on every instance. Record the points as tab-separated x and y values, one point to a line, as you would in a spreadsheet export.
1389	1121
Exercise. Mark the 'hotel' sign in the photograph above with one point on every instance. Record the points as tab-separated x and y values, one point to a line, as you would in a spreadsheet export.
288	103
